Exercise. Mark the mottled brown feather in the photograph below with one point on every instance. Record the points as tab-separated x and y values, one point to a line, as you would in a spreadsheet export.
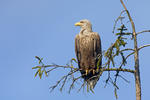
88	52
87	48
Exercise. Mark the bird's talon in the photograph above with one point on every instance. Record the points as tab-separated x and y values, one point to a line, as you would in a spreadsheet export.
93	71
86	72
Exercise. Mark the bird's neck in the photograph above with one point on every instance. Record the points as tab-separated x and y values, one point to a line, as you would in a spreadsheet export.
85	31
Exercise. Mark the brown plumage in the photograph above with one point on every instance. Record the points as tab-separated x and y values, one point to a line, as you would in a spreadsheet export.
88	52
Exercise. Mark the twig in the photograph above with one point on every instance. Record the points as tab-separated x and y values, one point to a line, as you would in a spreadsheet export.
62	66
107	79
82	86
72	84
142	32
118	69
143	46
114	83
120	17
51	69
127	49
63	83
124	79
64	77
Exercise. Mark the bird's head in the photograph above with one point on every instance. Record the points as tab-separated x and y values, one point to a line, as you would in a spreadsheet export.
84	24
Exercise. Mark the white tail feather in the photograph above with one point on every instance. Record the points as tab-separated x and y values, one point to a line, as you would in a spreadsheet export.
92	82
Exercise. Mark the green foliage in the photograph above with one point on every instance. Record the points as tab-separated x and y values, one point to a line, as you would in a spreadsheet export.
110	54
116	93
115	49
71	62
98	63
40	69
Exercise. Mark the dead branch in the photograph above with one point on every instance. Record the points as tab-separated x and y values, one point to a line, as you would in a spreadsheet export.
119	18
118	69
64	78
143	46
142	32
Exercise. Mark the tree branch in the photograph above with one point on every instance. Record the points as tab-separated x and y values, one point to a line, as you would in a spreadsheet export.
143	46
118	69
142	32
120	17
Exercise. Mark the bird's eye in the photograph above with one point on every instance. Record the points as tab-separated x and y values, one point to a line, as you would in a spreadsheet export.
81	21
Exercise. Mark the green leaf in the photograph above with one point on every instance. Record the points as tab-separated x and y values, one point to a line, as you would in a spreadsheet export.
37	57
36	73
73	59
87	88
40	73
117	46
123	43
45	73
40	60
128	33
72	66
116	93
98	63
112	60
119	28
118	33
106	53
36	67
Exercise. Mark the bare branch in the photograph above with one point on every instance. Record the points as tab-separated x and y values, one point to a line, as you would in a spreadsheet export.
63	78
118	69
107	79
143	46
82	86
124	79
142	32
51	69
119	18
72	84
61	66
127	49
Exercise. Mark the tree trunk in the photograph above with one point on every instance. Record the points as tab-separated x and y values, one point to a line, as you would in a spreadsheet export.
137	70
136	57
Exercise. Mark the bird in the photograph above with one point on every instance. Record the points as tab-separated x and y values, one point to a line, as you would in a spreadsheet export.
88	52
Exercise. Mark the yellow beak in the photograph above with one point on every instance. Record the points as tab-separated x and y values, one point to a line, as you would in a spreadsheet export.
78	24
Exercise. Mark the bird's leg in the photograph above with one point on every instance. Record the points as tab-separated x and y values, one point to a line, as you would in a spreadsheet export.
97	70
93	71
86	71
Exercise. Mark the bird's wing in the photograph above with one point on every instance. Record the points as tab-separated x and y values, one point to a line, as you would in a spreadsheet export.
97	45
77	48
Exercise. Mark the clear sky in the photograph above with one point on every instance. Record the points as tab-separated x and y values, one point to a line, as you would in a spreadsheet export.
45	28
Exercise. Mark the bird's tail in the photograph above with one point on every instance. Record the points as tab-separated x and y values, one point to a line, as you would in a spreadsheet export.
92	82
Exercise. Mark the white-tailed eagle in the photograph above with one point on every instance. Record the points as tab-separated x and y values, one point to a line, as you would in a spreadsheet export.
88	52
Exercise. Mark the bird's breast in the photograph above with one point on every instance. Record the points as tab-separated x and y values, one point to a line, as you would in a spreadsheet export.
86	42
86	46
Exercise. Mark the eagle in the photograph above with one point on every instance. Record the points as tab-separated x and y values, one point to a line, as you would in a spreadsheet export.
88	53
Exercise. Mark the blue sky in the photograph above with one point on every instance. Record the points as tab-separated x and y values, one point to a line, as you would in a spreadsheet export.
45	28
